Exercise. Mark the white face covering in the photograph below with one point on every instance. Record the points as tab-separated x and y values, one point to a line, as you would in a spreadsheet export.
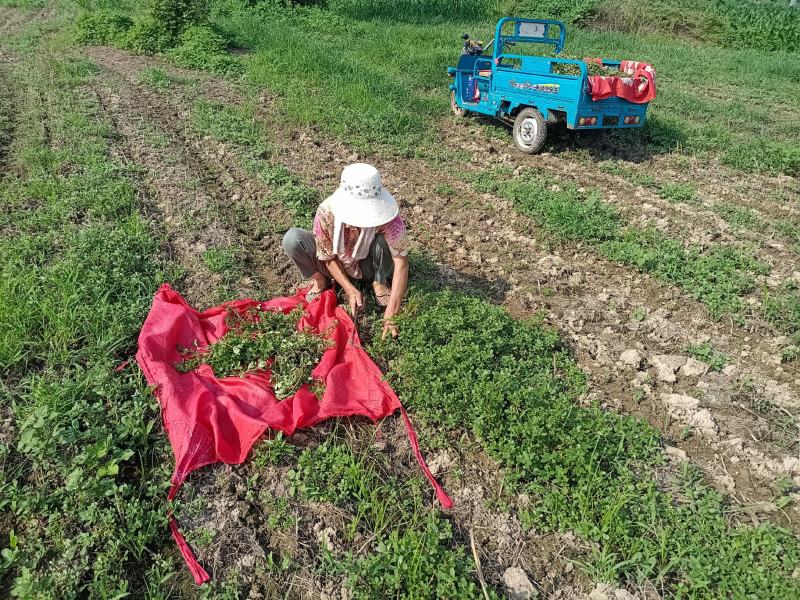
365	238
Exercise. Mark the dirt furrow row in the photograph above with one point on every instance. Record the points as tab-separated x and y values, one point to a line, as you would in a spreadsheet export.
621	323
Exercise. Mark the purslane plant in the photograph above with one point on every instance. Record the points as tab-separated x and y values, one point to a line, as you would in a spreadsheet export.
259	340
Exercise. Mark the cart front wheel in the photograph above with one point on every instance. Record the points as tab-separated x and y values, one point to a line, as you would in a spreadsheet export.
457	110
530	130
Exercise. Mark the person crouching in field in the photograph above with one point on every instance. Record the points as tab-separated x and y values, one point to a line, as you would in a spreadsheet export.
358	235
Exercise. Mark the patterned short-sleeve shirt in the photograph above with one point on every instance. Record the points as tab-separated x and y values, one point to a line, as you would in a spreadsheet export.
394	232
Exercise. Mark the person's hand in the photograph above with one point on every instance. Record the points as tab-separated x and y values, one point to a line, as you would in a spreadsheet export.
356	300
389	328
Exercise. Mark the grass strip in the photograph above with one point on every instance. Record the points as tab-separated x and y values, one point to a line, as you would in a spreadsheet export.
460	363
82	463
718	277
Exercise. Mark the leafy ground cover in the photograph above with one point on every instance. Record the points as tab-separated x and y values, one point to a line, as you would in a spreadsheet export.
460	363
414	552
82	475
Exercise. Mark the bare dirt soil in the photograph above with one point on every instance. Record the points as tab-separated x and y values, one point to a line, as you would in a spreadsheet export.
206	199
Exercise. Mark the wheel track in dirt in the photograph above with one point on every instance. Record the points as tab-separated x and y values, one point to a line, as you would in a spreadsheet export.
193	186
584	296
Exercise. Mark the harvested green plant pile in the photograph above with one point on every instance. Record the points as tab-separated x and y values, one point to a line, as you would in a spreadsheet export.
594	68
259	339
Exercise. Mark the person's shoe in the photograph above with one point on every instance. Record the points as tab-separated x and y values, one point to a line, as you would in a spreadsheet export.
382	294
315	291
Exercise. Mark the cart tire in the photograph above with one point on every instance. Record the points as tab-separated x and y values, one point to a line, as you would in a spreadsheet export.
530	130
457	110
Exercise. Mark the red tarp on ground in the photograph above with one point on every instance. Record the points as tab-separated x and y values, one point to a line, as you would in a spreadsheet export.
639	87
211	420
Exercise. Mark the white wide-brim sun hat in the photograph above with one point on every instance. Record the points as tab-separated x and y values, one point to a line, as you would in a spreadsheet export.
361	200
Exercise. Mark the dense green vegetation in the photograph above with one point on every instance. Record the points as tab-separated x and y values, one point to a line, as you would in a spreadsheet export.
83	481
462	364
413	553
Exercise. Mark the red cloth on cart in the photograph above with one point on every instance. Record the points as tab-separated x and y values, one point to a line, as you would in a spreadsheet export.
639	87
211	420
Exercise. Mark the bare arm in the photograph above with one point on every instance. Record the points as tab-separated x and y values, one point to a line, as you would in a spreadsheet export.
399	287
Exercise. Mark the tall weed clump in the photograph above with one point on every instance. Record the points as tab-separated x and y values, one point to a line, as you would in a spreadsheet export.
763	26
176	15
201	47
102	27
179	28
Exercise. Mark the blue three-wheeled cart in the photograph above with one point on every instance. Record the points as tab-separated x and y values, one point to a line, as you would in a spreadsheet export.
523	89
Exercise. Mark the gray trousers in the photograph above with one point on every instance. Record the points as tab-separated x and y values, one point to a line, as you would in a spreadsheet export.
301	247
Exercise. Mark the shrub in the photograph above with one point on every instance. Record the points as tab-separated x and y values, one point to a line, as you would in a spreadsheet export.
102	27
147	36
177	15
201	47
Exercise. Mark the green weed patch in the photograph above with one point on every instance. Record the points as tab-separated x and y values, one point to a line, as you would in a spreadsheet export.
679	192
460	363
557	206
782	308
718	277
102	27
82	482
738	216
705	352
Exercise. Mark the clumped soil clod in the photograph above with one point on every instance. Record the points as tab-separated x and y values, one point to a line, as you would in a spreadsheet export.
259	340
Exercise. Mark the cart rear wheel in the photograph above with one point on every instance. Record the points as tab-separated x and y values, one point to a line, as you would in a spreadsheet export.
457	110
530	130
